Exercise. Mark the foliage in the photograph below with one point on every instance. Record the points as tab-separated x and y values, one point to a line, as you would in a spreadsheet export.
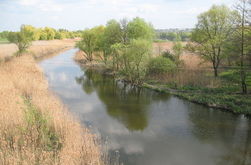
171	36
235	103
177	50
88	44
50	33
169	55
177	47
4	34
139	29
125	44
160	65
135	59
22	39
213	29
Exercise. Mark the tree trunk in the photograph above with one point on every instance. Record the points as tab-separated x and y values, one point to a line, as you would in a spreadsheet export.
242	69
215	67
215	72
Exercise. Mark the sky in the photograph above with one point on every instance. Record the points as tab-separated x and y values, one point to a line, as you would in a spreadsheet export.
82	14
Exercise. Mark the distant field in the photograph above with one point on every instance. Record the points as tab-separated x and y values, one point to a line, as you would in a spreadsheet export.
3	41
190	60
37	47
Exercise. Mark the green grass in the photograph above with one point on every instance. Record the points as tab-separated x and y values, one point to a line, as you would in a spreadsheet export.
46	139
236	103
228	96
4	41
160	41
234	76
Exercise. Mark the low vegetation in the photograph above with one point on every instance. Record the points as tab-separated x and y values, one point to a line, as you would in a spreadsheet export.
160	65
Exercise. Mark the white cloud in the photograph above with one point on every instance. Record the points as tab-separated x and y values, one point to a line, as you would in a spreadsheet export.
191	11
80	14
28	2
43	5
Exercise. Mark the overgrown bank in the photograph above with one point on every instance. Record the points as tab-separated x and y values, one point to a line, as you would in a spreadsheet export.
35	128
221	39
225	98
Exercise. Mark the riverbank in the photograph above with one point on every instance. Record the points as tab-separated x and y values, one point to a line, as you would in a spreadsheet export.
224	98
35	127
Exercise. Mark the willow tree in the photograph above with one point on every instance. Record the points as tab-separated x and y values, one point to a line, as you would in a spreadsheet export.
212	31
22	39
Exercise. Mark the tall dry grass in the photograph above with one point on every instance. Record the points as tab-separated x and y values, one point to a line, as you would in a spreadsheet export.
194	71
35	128
38	49
190	60
189	77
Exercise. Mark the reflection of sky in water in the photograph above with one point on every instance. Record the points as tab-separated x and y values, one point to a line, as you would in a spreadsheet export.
174	131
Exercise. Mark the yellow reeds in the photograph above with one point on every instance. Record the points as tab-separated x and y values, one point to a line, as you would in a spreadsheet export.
35	127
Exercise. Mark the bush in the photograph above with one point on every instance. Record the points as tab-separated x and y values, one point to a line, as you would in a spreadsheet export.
160	65
22	39
169	55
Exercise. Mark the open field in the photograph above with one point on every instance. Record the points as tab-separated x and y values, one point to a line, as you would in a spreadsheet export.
38	48
3	41
35	127
191	61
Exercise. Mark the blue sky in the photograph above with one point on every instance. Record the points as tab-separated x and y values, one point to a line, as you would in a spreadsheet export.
81	14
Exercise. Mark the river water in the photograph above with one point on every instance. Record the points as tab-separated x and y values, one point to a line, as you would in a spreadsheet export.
143	127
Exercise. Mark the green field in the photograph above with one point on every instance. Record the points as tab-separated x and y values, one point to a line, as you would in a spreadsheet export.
3	41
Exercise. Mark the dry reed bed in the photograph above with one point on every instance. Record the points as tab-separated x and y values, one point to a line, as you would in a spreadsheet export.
35	128
190	60
37	49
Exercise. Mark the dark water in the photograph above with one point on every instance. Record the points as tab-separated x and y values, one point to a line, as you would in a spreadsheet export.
143	127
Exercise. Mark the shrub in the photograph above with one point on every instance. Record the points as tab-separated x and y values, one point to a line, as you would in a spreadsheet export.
22	39
160	65
169	55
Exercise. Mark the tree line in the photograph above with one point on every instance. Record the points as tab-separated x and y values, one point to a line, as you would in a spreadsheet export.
171	36
28	33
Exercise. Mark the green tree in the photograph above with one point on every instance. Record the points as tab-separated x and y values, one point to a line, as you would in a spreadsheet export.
88	44
4	34
35	32
22	39
50	33
111	39
59	35
135	57
101	45
213	29
43	35
177	49
139	29
243	38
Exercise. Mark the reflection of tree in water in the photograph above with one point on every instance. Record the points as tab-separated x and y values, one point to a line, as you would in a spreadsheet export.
124	102
230	130
239	154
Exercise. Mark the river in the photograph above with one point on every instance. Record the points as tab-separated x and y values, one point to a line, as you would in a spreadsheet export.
143	127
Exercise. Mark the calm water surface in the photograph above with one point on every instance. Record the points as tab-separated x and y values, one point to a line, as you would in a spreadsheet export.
143	127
